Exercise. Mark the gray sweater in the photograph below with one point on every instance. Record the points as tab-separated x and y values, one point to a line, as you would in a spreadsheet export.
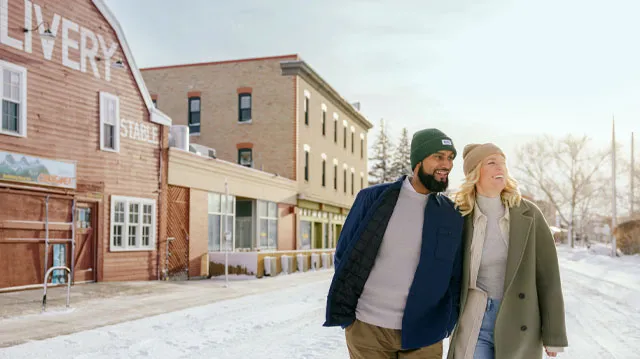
494	252
385	293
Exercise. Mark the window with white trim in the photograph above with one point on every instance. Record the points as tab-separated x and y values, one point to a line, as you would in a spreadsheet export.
109	122
345	180
268	225
306	162
335	127
13	93
306	108
345	135
335	174
324	121
133	224
353	136
221	211
324	172
352	182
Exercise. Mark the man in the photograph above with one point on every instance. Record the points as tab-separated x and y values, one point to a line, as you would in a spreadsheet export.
396	286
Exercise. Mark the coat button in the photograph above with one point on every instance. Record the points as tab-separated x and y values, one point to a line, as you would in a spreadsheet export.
521	295
523	328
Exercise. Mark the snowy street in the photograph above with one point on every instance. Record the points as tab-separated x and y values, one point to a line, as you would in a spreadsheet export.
602	302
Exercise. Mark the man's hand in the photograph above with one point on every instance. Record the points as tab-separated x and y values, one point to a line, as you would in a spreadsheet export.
550	354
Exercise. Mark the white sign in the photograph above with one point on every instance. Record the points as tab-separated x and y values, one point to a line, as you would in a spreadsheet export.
76	42
139	131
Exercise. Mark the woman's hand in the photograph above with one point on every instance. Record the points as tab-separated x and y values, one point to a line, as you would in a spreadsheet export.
550	354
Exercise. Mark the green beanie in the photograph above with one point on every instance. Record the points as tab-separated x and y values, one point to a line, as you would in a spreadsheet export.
427	142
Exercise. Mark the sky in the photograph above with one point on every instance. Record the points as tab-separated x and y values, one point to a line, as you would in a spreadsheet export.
502	71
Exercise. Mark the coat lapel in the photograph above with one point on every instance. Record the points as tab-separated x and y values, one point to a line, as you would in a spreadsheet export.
519	228
466	271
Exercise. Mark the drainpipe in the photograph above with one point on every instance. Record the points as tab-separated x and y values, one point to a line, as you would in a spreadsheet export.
160	203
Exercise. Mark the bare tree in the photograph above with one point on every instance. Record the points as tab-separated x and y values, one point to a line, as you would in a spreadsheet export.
625	173
565	171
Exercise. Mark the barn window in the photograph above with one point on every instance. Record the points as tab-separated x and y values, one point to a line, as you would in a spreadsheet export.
133	224
13	93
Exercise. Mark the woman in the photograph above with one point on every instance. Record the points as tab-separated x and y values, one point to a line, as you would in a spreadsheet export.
511	302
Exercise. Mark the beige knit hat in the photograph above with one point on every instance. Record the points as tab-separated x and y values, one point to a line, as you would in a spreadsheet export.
474	153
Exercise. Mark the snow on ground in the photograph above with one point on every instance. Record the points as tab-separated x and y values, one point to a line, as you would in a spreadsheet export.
601	293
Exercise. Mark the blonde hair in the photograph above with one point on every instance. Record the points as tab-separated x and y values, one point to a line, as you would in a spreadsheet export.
465	198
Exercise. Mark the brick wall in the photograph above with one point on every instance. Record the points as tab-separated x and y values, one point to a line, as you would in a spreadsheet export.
269	134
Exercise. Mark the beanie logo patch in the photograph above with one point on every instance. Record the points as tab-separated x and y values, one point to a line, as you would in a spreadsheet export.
447	142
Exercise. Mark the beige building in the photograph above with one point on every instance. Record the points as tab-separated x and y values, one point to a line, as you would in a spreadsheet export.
277	115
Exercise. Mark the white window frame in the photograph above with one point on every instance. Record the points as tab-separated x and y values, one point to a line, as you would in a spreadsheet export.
230	212
269	219
125	231
104	96
306	169
23	98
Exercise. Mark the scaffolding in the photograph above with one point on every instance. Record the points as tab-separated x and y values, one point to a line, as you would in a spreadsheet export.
49	241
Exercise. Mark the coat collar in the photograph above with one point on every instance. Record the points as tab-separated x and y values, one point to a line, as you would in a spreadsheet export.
520	221
520	224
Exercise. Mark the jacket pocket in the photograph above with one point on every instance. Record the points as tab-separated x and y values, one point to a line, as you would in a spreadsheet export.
446	246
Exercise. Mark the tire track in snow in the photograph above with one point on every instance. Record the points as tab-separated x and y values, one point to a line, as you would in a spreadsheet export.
599	324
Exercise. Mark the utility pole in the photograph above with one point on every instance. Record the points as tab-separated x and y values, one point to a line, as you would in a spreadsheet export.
632	195
225	240
613	181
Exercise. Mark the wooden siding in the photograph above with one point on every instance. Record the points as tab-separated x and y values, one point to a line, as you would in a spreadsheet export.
63	123
22	263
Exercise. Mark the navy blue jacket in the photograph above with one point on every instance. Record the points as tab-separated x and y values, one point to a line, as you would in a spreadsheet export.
433	303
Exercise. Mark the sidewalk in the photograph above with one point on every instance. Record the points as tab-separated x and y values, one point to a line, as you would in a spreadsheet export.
99	304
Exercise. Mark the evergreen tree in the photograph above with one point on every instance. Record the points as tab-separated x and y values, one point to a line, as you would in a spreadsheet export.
381	161
402	157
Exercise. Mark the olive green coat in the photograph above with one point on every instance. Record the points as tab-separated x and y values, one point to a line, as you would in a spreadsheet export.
531	313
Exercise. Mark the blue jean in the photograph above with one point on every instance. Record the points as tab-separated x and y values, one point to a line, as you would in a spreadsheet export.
484	347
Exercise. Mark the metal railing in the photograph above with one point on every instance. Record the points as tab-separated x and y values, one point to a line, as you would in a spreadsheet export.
46	279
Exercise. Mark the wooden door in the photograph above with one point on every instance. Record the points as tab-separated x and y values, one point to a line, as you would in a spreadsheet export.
86	248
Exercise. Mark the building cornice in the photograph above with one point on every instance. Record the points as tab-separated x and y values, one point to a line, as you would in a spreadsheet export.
302	69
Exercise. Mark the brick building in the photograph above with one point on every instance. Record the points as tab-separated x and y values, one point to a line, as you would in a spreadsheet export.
81	169
275	114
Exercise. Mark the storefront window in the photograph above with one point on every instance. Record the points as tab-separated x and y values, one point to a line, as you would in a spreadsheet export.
305	235
219	209
268	224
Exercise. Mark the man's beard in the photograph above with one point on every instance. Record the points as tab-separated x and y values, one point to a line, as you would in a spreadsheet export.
430	182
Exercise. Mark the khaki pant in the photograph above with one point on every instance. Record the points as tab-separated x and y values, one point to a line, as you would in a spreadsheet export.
366	341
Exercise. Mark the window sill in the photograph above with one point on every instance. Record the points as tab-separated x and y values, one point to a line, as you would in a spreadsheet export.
131	249
13	134
195	134
246	122
110	150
